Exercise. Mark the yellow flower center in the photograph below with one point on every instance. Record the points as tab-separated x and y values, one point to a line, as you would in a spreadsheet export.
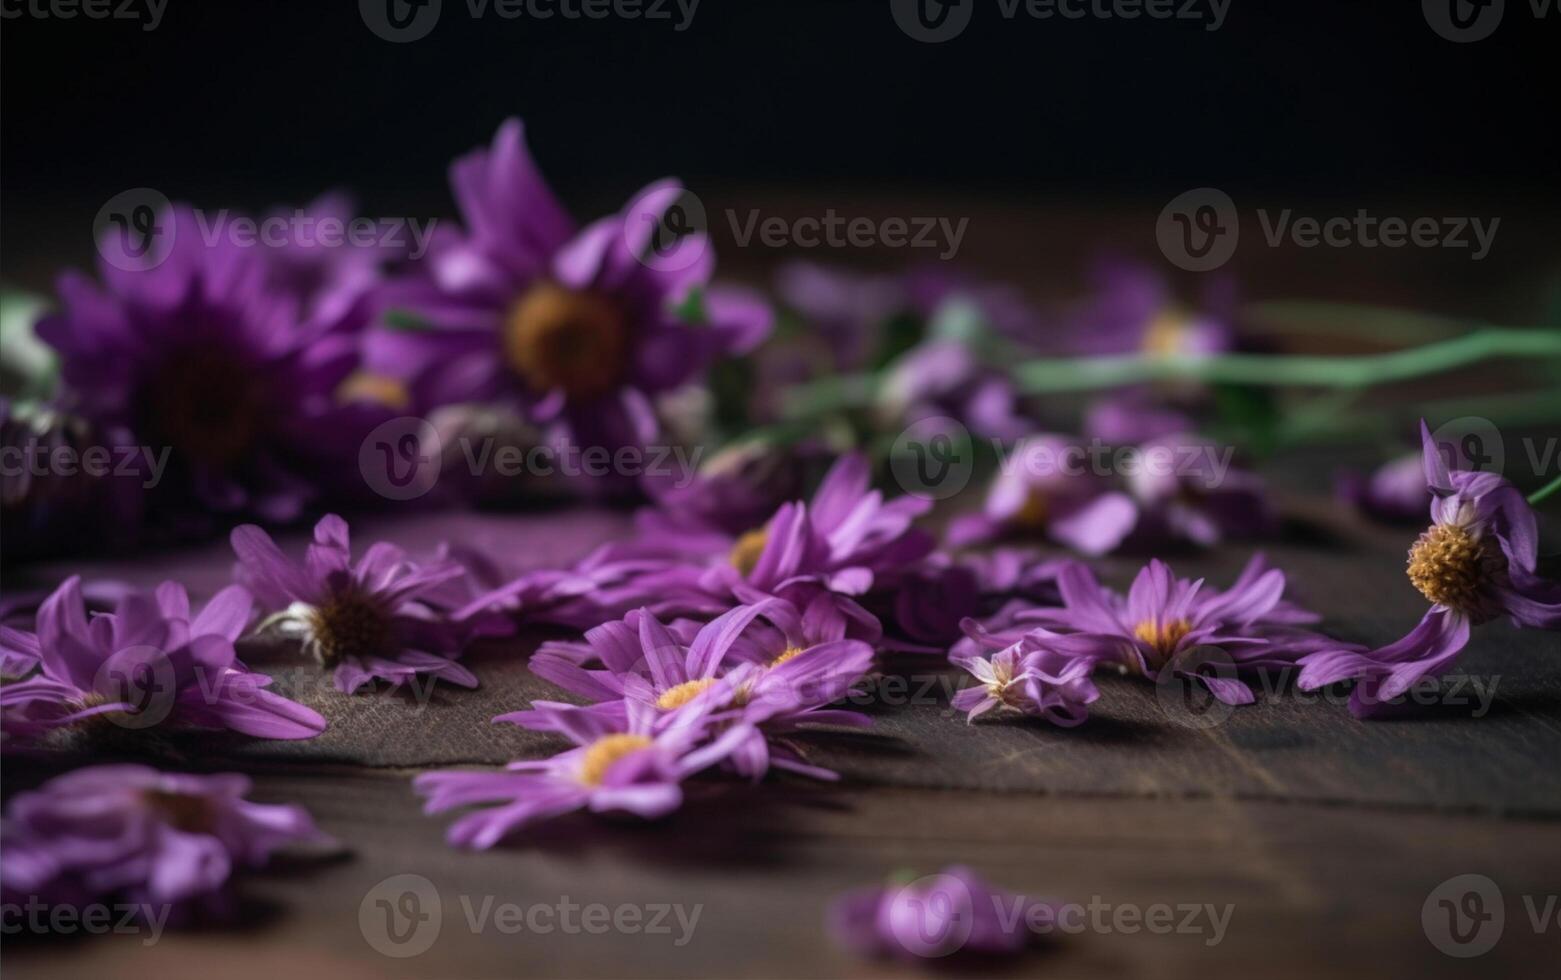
607	750
1033	515
377	389
350	625
1448	565
1166	334
1163	637
746	552
676	697
563	338
789	653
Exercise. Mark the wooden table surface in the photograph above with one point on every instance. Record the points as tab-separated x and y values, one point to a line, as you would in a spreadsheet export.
1326	836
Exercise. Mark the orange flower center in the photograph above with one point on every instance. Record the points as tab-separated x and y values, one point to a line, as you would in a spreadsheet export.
575	340
1448	565
1163	637
676	697
746	552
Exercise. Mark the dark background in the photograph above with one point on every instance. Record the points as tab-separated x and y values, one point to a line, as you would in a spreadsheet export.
254	103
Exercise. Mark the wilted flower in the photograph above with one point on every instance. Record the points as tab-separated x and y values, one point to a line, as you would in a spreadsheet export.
376	619
130	833
1039	674
1475	562
149	662
935	916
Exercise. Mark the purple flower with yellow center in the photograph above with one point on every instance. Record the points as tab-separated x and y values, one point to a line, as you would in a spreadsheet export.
1163	620
845	543
1475	563
634	763
131	833
1395	492
151	662
1040	674
579	327
953	912
1187	490
377	619
767	666
1045	488
204	355
1133	310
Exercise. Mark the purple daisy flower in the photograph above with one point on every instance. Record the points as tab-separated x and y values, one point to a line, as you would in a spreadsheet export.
378	619
1475	562
1395	492
132	833
768	666
634	763
1043	487
935	916
149	662
1163	619
1040	674
202	354
578	327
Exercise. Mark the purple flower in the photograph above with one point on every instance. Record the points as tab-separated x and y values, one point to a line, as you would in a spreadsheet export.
131	833
1187	490
377	619
1475	562
1133	417
578	328
1039	674
1162	620
149	662
1396	492
937	915
633	763
769	667
1134	311
1044	488
848	310
320	261
203	355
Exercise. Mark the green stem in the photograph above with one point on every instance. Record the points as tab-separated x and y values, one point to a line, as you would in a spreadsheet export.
1087	373
1544	491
